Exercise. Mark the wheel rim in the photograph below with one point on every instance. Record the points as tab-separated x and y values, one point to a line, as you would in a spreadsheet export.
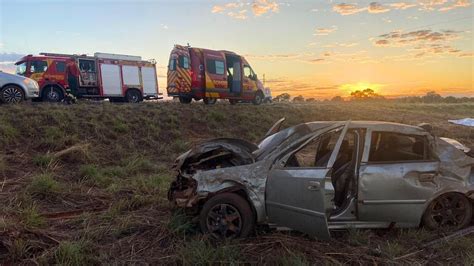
133	97
224	221
258	98
448	211
12	95
52	95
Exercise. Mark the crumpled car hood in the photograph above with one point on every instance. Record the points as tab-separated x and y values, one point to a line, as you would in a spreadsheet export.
235	151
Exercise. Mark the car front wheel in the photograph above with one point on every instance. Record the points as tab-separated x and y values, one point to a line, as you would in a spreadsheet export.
226	216
448	211
12	94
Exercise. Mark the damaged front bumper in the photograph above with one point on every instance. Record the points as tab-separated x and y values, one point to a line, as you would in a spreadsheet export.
210	155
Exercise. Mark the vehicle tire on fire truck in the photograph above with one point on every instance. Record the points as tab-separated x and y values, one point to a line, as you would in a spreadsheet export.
133	96
52	94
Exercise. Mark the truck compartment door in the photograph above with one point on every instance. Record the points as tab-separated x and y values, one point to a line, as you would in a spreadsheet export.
111	82
150	84
131	76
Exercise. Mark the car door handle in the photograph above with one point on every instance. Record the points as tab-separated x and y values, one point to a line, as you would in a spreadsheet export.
314	185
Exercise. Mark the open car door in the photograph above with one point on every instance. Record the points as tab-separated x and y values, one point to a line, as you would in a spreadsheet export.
300	197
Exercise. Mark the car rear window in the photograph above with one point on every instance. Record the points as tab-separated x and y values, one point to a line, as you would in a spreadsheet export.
389	146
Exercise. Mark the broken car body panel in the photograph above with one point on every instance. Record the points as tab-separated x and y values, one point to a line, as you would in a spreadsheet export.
379	192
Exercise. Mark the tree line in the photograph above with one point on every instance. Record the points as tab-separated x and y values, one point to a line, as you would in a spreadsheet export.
371	95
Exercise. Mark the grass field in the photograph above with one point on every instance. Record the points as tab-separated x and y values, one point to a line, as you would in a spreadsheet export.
86	184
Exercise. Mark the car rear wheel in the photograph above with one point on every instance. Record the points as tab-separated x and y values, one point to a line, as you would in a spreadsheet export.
210	101
12	94
448	211
52	94
258	98
226	216
133	96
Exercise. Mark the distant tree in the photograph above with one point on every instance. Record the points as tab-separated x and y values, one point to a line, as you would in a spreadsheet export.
337	99
367	94
310	100
284	97
432	97
298	98
450	99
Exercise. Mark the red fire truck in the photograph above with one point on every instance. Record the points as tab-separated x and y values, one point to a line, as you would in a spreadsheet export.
117	77
195	73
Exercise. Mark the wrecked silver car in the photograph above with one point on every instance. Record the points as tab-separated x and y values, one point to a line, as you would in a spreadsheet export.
320	176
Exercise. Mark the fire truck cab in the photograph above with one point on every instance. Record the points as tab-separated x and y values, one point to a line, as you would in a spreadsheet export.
117	77
195	73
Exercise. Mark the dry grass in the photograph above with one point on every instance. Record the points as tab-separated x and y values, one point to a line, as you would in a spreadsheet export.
86	184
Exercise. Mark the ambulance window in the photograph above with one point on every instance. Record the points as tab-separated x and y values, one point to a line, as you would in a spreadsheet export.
215	67
60	67
38	66
183	62
248	71
172	65
220	69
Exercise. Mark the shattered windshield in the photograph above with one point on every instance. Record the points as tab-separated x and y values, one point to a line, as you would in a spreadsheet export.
272	141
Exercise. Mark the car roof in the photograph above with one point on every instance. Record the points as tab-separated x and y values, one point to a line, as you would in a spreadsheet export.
373	125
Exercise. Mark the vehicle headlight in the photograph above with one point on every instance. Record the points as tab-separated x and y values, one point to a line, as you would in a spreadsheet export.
30	83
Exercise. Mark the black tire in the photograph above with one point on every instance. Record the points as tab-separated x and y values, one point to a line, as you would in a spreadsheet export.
52	94
12	94
133	96
210	101
227	216
448	211
233	102
185	100
258	98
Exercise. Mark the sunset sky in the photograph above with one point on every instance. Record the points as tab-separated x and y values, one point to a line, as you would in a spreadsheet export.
319	48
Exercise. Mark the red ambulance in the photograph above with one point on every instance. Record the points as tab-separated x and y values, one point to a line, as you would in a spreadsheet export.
195	73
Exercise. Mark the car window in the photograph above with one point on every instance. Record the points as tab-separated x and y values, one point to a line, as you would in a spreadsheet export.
38	66
316	153
389	146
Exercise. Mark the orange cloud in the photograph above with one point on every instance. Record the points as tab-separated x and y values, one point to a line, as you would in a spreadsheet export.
376	8
456	4
324	31
261	7
347	9
402	5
